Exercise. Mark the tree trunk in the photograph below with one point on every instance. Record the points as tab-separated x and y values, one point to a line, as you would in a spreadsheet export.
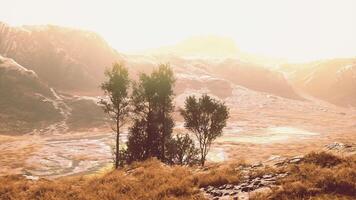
163	137
202	162
117	144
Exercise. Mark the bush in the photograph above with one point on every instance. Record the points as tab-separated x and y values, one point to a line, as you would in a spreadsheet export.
322	159
181	150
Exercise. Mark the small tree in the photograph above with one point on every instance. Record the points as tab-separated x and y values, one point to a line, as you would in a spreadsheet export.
117	105
181	150
205	117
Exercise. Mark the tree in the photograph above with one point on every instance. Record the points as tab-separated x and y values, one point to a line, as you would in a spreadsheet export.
205	117
117	105
181	150
152	127
164	79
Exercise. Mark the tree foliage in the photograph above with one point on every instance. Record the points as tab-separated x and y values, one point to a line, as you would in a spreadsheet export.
181	150
152	101
205	117
117	105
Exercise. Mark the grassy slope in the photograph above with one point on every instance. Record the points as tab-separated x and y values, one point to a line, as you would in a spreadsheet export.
320	176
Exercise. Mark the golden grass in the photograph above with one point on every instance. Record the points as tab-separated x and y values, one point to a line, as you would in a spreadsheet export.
219	175
320	176
147	180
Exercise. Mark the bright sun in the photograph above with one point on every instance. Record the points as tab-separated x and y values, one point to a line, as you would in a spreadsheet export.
298	30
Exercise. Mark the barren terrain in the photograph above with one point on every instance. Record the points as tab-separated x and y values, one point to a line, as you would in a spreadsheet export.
257	130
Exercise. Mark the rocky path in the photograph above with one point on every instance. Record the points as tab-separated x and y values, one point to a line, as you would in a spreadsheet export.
254	184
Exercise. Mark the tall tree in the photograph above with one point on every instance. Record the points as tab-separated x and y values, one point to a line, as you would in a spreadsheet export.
205	117
164	85
152	107
117	105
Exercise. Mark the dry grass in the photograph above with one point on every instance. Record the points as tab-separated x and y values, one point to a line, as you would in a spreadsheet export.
219	175
320	176
147	180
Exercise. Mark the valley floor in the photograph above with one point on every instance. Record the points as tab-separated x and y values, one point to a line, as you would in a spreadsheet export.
256	131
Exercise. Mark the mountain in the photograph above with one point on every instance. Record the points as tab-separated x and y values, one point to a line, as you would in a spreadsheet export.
65	58
331	80
73	60
207	46
26	103
216	76
255	77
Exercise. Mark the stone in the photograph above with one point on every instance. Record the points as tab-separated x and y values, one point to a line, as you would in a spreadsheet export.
247	188
237	187
226	193
273	179
222	187
232	193
229	186
257	182
257	165
216	193
267	176
209	188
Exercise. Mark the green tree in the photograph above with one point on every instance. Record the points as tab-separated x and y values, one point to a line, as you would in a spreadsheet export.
181	150
205	117
152	127
164	80
117	105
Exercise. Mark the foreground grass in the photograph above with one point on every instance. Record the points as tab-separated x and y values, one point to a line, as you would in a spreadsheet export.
320	176
147	180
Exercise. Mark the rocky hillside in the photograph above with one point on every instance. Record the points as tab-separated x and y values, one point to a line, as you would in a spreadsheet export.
330	80
26	102
65	58
255	77
216	77
74	60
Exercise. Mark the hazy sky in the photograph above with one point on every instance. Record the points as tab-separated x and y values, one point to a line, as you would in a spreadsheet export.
295	29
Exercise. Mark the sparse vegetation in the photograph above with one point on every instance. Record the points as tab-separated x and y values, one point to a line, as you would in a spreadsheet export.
181	150
117	105
320	176
205	117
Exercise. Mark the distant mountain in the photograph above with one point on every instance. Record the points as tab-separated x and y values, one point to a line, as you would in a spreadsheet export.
200	46
67	59
331	80
218	76
254	77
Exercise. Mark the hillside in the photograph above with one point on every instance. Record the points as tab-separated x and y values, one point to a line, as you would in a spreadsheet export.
64	58
331	80
74	60
26	103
